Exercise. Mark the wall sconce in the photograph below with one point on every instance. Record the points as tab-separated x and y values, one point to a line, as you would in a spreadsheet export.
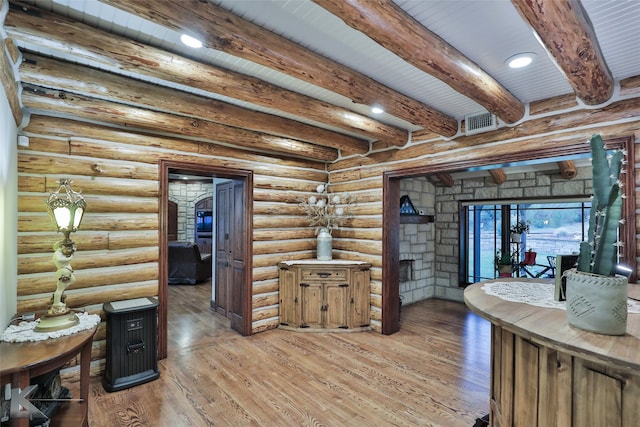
66	210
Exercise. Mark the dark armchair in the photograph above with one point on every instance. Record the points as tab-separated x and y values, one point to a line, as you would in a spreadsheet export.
186	265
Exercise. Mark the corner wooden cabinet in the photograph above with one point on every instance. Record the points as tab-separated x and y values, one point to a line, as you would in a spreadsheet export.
324	294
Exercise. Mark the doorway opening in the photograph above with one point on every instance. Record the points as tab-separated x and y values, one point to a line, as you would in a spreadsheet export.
231	237
391	210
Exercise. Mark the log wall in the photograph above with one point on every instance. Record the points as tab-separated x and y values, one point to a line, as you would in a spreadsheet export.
117	172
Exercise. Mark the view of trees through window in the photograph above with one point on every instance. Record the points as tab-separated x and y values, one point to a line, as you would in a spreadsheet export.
554	228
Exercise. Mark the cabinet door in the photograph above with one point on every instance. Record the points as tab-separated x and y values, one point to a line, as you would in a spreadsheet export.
604	396
289	307
336	306
312	303
360	298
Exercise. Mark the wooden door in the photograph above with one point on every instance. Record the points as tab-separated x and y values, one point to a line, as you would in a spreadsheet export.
230	254
223	247
237	256
172	221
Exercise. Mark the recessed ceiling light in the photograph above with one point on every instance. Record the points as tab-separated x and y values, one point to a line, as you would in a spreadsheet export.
191	41
521	60
377	110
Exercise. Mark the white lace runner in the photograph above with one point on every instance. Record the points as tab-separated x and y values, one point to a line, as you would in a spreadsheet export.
537	294
24	331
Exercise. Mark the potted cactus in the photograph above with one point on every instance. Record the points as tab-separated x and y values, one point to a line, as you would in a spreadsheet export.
596	296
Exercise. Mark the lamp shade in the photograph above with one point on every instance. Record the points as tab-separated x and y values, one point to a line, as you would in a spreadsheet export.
66	208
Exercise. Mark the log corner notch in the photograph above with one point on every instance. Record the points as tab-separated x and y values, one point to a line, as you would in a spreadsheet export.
567	33
400	33
8	71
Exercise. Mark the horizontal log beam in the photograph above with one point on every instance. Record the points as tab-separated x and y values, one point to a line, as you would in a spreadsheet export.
522	136
95	204
38	163
90	296
43	99
107	154
226	32
98	185
567	33
90	278
446	179
73	130
54	74
393	28
84	259
498	176
98	222
35	26
567	169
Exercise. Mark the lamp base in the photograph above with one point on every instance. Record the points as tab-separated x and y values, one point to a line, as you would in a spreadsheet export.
56	323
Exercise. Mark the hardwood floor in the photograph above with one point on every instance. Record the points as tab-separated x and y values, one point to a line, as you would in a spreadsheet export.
434	372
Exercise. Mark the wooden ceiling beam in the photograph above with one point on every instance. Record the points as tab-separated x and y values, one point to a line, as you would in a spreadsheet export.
38	99
222	30
397	31
567	169
55	74
498	175
567	33
35	26
446	179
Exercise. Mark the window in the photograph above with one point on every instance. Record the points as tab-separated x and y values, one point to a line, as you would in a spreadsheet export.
555	227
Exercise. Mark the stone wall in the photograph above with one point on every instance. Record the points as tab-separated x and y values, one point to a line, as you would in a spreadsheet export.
417	247
432	249
186	195
447	205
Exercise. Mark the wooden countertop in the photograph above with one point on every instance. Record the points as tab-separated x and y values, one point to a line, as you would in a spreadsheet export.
18	357
549	327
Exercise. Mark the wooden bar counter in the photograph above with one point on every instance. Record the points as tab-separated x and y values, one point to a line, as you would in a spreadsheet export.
545	373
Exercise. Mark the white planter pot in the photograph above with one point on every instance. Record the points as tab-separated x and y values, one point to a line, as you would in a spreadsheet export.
516	238
597	303
324	242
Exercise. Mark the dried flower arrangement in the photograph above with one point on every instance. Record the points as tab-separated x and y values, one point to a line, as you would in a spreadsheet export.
326	210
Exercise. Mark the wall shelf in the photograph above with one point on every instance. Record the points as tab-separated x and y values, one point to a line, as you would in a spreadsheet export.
417	219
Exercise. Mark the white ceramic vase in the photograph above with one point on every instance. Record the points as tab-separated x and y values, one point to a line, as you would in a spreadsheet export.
324	241
597	303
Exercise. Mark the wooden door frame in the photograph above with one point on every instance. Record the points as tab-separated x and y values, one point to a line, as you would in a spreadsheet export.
391	211
163	288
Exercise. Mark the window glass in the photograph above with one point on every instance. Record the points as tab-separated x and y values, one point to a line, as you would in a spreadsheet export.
554	228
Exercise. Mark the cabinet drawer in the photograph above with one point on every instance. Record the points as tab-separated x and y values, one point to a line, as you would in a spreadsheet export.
324	274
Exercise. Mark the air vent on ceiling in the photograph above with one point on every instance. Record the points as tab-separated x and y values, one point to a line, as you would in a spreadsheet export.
480	122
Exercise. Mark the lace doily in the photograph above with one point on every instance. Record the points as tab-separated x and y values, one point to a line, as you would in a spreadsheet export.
536	293
24	331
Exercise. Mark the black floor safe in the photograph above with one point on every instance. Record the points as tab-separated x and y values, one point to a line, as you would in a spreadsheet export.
132	343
